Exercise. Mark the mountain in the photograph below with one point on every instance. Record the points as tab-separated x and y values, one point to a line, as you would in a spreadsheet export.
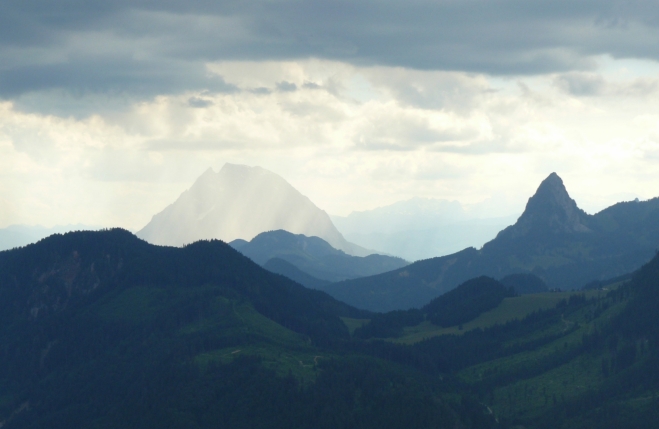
286	269
553	239
313	256
239	202
61	272
550	212
419	228
460	305
467	301
22	235
525	283
586	360
101	329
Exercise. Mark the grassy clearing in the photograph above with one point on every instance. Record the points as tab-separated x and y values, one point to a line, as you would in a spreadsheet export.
280	349
513	364
530	396
510	309
516	363
300	363
244	321
353	324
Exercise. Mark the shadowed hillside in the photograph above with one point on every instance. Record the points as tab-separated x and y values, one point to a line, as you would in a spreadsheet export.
101	329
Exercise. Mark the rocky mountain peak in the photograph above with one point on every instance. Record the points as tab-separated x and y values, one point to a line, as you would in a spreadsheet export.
550	210
240	202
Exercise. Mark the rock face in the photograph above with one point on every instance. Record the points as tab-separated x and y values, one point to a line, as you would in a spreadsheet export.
549	211
239	202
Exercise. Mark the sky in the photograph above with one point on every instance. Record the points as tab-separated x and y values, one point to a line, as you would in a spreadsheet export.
110	109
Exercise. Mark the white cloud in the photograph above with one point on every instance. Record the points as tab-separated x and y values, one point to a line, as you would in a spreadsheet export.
349	137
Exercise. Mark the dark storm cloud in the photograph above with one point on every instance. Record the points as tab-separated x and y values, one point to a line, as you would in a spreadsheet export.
149	47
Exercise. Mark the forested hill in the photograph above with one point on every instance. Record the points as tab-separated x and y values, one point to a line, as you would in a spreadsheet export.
103	330
314	256
460	305
64	271
591	361
553	239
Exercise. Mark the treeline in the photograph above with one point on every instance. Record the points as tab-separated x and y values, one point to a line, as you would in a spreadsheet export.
467	301
460	305
162	393
119	326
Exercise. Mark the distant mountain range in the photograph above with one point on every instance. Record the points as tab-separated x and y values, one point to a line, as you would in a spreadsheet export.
553	239
22	235
313	256
240	202
419	228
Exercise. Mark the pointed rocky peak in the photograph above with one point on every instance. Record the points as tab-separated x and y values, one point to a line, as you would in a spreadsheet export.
551	196
551	210
240	201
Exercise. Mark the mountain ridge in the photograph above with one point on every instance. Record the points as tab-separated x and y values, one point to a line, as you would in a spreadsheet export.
102	329
314	256
553	239
549	210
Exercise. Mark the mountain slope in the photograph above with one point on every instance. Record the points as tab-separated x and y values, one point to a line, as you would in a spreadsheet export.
63	271
314	256
101	329
239	202
286	269
589	361
553	239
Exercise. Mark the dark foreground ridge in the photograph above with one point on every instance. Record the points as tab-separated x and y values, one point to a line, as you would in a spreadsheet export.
102	330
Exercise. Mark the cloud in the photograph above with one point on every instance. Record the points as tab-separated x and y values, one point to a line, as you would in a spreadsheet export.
286	86
349	137
581	84
145	48
199	102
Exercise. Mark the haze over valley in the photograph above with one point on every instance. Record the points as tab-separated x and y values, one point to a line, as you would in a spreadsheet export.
421	228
